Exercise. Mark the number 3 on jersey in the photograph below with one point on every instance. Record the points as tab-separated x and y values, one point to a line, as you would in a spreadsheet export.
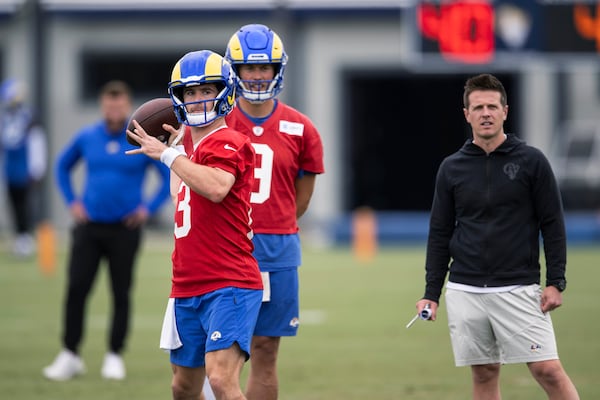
183	207
263	173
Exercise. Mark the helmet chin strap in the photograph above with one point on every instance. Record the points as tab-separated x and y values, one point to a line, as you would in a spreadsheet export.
259	96
198	118
201	118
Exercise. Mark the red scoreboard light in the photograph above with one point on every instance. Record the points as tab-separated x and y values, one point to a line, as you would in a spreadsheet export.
463	29
586	24
476	31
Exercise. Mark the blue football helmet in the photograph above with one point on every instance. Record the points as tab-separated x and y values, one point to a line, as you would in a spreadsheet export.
257	44
199	68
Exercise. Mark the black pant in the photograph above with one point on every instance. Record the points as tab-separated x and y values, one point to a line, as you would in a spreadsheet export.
19	202
90	244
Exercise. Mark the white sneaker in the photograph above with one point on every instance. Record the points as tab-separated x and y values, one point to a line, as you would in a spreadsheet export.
66	365
24	245
113	367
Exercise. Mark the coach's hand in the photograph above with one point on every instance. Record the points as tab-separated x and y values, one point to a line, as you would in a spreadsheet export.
137	218
433	306
79	212
551	299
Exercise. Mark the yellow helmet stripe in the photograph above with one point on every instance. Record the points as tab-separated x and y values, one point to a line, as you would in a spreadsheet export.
277	52
176	74
235	48
212	68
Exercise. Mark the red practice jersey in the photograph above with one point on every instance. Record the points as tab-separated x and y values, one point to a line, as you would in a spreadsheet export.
286	143
213	241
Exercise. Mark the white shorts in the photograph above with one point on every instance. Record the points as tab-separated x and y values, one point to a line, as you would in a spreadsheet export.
506	327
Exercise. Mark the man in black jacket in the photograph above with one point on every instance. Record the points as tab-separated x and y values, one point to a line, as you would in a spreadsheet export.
492	199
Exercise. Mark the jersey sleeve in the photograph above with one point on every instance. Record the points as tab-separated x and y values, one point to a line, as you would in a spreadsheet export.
66	160
311	156
228	152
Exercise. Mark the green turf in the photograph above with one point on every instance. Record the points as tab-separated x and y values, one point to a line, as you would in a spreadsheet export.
352	343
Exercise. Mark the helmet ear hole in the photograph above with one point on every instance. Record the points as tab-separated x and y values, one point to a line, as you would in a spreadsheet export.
181	113
177	92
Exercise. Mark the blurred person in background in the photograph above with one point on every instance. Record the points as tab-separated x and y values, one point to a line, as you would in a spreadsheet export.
289	156
108	215
493	198
24	152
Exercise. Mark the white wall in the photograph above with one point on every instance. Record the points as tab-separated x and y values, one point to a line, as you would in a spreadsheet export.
331	48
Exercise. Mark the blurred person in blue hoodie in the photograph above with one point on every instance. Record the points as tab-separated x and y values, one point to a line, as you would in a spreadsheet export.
109	213
24	151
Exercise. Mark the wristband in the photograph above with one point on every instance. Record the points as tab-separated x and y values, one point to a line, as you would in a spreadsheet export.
169	155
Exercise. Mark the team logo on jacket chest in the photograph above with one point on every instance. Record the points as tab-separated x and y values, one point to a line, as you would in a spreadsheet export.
511	170
112	147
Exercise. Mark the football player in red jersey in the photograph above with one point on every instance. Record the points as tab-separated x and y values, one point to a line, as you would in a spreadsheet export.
289	155
216	287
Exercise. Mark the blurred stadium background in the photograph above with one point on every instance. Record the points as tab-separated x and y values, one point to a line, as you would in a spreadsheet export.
382	80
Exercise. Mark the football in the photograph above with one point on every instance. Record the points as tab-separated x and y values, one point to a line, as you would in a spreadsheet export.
151	115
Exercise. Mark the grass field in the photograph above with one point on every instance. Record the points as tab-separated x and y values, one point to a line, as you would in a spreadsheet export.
352	343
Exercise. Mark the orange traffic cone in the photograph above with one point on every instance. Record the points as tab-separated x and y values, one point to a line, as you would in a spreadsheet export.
46	240
364	234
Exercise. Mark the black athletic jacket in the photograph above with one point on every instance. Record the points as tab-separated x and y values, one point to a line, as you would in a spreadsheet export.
487	215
